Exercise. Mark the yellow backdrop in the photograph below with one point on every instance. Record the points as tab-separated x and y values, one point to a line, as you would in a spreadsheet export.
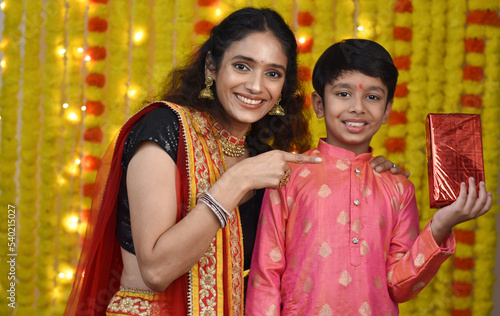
74	70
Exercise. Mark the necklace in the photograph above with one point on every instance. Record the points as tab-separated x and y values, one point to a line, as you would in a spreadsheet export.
231	146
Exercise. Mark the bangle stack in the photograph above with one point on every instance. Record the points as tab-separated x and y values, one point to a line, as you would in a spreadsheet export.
219	211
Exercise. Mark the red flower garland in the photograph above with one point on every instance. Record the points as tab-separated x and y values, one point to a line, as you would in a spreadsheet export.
93	135
88	189
96	53
483	18
207	3
97	80
464	264
305	19
90	162
461	289
306	47
403	33
203	27
401	90
403	6
472	101
397	117
402	62
474	45
474	73
465	236
395	144
457	312
97	25
94	107
304	73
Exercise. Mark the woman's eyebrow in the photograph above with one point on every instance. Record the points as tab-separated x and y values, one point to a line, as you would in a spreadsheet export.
250	59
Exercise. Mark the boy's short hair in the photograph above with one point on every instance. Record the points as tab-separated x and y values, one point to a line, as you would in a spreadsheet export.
361	55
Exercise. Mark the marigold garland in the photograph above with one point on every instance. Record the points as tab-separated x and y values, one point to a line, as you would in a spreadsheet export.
11	74
140	68
163	53
118	52
484	251
29	167
52	81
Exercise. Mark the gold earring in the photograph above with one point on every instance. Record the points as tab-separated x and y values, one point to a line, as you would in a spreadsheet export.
207	92
277	109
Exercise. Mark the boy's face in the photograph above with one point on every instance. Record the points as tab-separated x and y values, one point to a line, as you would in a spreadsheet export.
354	109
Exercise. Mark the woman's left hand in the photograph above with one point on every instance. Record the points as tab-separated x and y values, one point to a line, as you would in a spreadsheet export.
380	164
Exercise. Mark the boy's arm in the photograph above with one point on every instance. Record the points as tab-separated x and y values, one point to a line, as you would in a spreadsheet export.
268	259
413	259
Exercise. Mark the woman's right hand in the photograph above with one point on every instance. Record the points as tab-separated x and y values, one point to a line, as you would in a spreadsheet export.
266	170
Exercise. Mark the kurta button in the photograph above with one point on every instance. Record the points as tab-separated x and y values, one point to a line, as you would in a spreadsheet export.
355	240
356	202
357	171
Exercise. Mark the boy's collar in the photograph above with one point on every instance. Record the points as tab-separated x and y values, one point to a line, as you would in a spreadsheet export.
339	152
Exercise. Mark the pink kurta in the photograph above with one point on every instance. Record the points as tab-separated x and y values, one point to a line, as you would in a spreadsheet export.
341	239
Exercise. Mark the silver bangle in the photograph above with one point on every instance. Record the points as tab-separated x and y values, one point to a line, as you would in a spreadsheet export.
220	207
216	208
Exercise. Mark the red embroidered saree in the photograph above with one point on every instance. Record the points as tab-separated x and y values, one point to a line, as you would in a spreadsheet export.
214	286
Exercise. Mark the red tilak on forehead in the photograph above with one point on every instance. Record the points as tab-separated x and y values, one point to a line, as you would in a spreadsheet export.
360	86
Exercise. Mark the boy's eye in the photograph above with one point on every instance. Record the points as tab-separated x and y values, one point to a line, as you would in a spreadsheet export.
343	94
373	97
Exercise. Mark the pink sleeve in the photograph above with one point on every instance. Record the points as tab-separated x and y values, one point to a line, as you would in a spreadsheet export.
268	259
413	259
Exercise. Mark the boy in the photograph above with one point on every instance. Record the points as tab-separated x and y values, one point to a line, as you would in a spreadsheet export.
340	238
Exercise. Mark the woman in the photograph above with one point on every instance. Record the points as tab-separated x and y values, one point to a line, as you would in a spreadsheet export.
181	168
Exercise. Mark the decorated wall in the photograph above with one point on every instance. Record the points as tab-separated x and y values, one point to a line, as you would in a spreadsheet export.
73	71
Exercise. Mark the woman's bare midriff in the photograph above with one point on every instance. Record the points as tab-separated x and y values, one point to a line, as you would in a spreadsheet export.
131	275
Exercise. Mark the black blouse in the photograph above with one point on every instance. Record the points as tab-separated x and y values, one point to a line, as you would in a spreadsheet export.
161	126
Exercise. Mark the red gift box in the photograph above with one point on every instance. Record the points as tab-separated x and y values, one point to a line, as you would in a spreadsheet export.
454	154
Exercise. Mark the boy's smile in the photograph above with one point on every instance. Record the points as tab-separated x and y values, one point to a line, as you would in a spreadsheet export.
354	108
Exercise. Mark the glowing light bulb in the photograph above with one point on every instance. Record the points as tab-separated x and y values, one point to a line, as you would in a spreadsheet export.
61	275
2	6
218	12
62	51
77	161
302	40
3	63
131	93
360	28
73	117
65	105
138	36
84	108
80	50
87	58
71	223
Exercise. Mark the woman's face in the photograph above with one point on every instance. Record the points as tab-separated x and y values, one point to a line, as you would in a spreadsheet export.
250	79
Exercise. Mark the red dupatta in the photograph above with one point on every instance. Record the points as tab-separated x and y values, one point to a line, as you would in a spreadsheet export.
215	284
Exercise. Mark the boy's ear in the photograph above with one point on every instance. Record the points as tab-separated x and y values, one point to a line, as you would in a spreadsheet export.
317	104
387	112
210	66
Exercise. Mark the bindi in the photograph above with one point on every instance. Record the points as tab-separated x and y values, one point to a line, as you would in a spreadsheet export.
360	86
